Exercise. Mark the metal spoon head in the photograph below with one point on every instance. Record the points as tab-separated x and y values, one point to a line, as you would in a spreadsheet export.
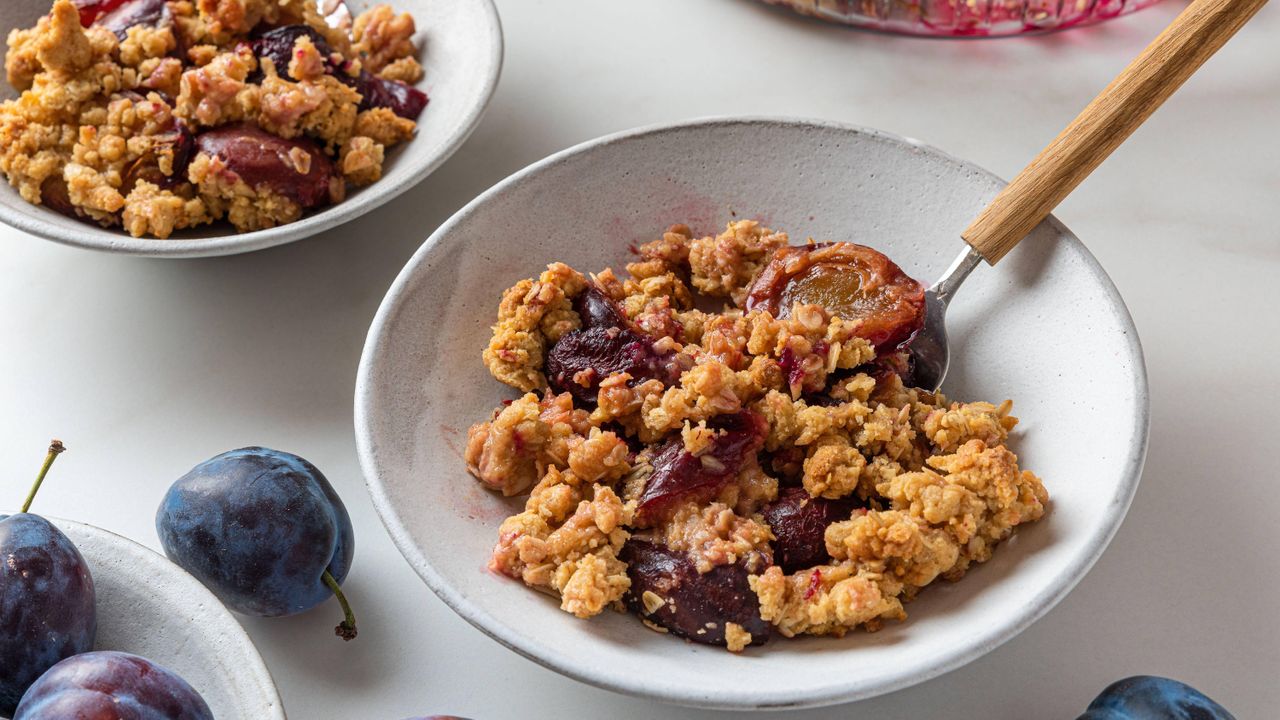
929	348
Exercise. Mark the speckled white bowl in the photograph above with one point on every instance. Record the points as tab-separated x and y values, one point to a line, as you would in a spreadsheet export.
1046	328
150	607
461	44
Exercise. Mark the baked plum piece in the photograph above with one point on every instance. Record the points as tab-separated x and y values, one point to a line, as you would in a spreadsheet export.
261	159
799	524
150	13
668	591
679	476
852	281
375	92
607	343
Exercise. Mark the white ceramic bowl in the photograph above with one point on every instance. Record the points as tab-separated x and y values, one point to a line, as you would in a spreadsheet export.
150	607
1046	328
461	44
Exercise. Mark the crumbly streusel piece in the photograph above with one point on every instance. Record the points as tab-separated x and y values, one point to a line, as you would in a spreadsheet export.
578	559
724	265
827	600
709	389
894	543
979	498
216	93
832	467
795	422
714	535
382	37
949	428
361	161
321	107
384	126
531	314
148	210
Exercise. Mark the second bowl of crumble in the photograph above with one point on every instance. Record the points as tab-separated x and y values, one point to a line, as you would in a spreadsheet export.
175	128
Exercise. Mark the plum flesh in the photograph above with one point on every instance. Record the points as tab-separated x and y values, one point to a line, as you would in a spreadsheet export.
260	528
695	605
679	476
47	603
799	524
262	159
855	282
607	343
115	685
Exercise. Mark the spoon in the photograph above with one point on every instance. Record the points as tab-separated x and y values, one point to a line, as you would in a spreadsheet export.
1193	37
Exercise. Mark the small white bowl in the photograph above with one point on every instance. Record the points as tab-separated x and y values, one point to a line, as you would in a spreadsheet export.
461	44
150	607
1046	327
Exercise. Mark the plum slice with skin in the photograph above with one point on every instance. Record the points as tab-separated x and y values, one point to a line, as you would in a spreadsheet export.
852	281
260	158
693	605
679	476
607	343
799	523
375	92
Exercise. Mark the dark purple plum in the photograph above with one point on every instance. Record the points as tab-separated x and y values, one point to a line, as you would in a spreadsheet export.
375	92
111	686
47	603
263	529
260	158
799	523
1146	697
679	476
695	605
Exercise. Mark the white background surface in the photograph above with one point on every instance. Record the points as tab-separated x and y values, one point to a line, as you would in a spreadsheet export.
146	367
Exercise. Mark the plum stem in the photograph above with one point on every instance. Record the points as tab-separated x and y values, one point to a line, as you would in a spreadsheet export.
347	628
56	448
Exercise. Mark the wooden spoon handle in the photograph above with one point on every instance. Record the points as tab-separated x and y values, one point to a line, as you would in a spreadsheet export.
1196	34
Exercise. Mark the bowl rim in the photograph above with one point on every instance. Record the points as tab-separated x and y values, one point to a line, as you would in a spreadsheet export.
32	219
229	627
751	699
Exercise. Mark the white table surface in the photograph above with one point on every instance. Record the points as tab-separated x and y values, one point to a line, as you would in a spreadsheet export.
146	367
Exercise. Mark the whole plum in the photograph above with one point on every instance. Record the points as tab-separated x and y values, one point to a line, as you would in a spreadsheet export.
47	601
1146	697
263	529
111	686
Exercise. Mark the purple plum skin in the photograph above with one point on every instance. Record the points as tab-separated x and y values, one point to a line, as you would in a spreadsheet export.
258	527
111	686
1146	697
47	603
